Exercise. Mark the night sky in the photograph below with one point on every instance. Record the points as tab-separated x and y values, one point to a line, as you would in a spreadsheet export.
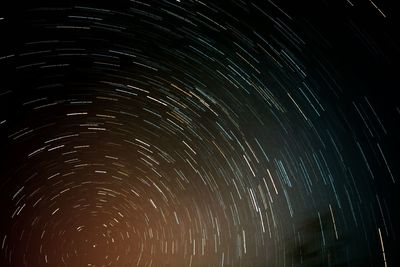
199	133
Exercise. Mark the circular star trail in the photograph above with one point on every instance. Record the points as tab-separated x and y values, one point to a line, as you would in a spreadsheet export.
199	133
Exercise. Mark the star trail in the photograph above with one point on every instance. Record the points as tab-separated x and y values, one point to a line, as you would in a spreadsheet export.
199	133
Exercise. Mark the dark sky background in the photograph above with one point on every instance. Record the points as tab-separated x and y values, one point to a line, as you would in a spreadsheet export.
199	133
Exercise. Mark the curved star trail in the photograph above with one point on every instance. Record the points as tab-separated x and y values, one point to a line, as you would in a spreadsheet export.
198	133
